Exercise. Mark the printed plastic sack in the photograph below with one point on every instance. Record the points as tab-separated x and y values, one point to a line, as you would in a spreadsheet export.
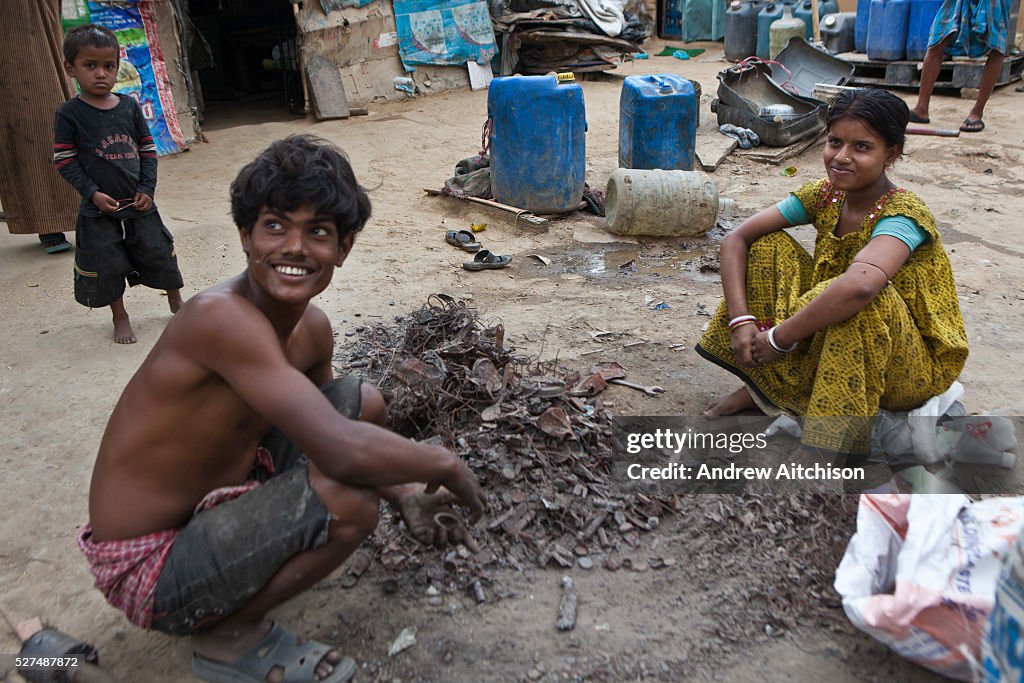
920	574
1003	642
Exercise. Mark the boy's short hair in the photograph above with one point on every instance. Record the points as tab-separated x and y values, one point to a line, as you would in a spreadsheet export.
301	170
92	35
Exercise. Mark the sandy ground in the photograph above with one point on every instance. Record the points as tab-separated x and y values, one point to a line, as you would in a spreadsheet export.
61	375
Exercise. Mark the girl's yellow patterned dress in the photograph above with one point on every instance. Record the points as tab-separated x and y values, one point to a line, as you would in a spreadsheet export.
907	345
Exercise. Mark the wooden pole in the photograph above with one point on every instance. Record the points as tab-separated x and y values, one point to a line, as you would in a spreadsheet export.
815	27
298	58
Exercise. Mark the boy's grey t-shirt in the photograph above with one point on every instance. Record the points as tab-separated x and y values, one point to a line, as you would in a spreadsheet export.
110	150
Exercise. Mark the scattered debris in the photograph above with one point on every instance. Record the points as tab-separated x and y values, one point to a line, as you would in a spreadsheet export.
551	497
567	609
543	259
477	589
405	640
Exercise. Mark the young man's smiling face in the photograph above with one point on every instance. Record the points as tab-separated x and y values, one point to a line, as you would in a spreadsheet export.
292	255
95	69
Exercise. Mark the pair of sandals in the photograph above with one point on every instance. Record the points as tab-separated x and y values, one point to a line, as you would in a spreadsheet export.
968	126
484	259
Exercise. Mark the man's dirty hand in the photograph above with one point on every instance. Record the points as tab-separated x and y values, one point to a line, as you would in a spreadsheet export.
419	510
464	486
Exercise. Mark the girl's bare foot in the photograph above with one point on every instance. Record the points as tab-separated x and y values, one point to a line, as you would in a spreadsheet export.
736	402
123	332
174	299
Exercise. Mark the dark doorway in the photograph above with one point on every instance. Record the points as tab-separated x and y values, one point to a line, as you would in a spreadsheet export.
245	51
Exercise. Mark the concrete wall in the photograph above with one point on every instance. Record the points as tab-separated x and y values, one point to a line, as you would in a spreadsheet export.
362	42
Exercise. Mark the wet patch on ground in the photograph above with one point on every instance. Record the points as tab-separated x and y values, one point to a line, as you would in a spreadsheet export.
618	260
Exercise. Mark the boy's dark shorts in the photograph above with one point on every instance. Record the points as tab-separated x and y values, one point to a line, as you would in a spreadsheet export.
110	251
225	555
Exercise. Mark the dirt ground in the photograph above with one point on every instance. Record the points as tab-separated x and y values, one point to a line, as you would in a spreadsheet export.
61	375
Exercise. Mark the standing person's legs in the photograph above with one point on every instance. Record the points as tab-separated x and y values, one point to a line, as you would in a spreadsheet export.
993	65
929	74
151	250
101	262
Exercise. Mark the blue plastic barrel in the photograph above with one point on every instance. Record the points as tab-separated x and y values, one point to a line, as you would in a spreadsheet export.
887	29
741	29
860	28
768	14
803	12
538	143
657	122
919	26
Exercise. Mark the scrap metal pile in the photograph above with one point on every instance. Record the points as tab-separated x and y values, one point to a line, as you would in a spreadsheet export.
540	439
536	435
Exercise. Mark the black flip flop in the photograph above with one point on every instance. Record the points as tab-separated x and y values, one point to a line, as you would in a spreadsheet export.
485	260
463	239
969	126
916	118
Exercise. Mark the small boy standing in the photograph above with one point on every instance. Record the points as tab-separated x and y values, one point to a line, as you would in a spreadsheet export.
103	147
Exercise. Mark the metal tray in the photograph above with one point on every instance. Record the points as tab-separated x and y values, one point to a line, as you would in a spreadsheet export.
807	66
749	98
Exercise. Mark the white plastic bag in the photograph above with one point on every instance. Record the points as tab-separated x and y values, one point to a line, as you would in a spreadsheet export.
920	574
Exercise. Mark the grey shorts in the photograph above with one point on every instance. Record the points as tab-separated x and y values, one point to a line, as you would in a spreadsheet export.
225	555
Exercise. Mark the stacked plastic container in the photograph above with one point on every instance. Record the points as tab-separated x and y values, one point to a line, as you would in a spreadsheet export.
919	26
887	29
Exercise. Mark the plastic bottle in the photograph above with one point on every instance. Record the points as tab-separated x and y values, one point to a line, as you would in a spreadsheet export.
782	30
803	11
741	30
837	32
661	203
768	14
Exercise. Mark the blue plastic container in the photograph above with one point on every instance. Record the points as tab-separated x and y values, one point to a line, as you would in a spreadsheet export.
768	14
803	12
860	28
657	122
887	29
538	143
671	19
919	26
741	29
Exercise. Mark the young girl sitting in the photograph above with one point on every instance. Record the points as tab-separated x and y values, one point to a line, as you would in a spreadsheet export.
872	320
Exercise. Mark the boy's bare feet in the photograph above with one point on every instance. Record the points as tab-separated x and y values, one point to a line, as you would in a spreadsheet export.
233	647
736	402
174	299
123	332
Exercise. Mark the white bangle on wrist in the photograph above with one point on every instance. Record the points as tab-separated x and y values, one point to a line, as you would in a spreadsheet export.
778	349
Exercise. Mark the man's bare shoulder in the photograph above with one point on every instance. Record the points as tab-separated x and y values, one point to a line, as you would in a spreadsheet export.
218	311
